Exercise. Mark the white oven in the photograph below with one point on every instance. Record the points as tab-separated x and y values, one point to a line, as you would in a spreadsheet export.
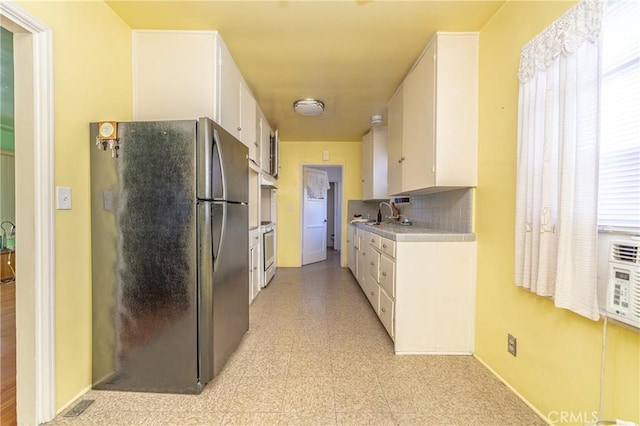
268	250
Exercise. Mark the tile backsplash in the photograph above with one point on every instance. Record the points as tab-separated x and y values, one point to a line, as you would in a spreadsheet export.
448	210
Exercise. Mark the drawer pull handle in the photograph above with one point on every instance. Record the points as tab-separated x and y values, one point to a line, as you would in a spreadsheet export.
373	241
373	294
384	246
383	309
371	263
384	274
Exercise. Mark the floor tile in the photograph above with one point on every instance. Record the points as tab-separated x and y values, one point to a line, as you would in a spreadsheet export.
258	394
266	364
310	364
361	419
250	419
292	419
359	394
309	395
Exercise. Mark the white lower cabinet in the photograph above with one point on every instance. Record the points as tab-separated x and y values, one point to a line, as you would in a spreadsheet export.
352	249
362	267
386	312
422	292
254	263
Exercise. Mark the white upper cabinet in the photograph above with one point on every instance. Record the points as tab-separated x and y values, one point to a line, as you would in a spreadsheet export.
184	75
175	75
230	86
433	119
394	143
374	164
264	131
248	121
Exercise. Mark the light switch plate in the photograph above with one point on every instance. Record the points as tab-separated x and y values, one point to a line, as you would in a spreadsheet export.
63	197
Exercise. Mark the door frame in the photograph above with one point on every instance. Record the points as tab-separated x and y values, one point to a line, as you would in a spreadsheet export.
339	216
35	296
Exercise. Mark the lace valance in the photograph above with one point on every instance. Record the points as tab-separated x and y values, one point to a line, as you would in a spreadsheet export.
317	184
582	22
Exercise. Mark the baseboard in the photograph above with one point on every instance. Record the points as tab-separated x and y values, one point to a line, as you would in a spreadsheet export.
511	388
73	400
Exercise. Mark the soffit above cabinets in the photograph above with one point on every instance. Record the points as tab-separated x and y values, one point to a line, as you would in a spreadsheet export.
350	54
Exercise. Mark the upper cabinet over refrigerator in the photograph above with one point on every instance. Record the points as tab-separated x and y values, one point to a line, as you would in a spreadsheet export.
184	75
175	75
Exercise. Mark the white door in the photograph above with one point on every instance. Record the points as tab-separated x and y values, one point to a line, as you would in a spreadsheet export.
314	234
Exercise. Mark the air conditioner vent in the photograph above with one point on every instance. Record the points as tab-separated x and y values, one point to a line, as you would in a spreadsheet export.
624	252
623	292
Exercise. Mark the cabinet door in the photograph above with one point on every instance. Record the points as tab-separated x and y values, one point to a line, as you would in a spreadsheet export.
351	249
367	166
387	275
230	80
164	59
394	144
372	290
252	255
418	144
385	313
248	120
265	144
363	257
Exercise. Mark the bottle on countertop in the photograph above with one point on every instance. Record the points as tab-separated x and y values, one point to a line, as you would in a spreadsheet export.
379	216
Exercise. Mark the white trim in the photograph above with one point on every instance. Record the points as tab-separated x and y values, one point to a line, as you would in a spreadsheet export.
44	291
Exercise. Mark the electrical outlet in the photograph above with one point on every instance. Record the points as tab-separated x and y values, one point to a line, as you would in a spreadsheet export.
511	344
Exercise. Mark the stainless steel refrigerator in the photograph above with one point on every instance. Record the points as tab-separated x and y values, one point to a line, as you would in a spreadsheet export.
169	239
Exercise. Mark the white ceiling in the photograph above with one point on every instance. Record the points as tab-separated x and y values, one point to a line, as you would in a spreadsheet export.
351	54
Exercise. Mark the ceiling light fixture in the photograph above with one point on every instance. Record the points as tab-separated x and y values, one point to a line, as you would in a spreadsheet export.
308	106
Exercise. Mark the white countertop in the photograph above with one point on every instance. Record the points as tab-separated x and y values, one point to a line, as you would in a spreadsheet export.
414	233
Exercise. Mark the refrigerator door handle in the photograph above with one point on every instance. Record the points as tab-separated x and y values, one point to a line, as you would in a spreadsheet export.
204	158
223	182
223	226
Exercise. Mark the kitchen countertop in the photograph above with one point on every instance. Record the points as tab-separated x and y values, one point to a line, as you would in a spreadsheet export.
414	233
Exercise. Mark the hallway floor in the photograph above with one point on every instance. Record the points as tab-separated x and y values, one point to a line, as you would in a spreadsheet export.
316	354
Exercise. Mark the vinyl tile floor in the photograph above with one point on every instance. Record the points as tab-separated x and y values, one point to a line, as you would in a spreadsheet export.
316	354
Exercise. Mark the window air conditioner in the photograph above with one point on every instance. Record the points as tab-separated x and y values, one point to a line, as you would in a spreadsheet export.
623	291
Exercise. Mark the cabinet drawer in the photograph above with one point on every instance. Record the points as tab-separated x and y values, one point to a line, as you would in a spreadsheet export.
372	290
386	312
387	273
388	247
374	240
373	263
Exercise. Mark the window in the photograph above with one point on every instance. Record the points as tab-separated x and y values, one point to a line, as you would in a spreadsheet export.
619	171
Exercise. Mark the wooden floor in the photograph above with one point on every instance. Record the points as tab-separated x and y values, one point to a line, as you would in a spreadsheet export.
8	354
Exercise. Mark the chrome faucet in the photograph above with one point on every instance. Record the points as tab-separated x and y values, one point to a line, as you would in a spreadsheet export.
384	203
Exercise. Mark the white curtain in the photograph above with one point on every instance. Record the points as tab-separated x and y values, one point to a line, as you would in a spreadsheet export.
557	176
317	184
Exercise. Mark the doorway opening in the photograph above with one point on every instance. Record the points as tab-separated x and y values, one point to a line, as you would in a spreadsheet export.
322	212
34	270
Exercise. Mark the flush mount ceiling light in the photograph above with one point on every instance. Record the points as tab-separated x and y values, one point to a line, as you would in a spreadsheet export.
308	106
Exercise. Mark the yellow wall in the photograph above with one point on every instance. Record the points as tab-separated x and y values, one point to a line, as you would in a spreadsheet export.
293	155
558	364
92	81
